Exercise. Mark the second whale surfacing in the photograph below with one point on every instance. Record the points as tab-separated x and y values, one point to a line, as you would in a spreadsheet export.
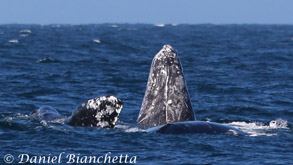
166	104
101	112
98	112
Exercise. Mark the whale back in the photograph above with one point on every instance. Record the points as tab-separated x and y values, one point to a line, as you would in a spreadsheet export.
196	127
166	98
102	112
46	113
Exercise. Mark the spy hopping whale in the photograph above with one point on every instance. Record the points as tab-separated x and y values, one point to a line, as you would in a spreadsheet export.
166	102
166	98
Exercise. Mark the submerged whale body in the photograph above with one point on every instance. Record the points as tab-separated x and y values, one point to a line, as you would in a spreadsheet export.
47	113
196	127
98	112
166	102
166	98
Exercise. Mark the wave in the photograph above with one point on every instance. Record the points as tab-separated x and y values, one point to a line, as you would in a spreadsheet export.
23	35
160	25
97	41
114	26
13	41
129	129
48	60
25	31
274	127
24	122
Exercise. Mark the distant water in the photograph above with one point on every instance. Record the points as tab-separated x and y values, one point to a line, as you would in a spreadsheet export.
241	75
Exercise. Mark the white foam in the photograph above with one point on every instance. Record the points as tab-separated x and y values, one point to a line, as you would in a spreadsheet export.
134	130
23	35
131	29
128	129
278	123
160	25
97	41
59	120
25	31
22	116
44	123
13	41
121	126
114	26
8	119
259	128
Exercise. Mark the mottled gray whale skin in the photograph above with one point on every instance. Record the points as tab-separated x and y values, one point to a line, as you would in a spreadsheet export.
166	98
98	112
196	127
166	102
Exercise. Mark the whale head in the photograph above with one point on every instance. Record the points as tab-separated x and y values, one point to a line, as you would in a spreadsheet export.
98	112
166	98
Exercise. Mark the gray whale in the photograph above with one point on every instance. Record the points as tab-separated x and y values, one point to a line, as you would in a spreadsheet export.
98	112
166	102
166	98
101	112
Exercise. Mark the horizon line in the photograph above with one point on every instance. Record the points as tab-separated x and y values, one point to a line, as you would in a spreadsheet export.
126	23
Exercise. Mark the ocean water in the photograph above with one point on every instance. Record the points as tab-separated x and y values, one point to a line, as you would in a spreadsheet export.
241	75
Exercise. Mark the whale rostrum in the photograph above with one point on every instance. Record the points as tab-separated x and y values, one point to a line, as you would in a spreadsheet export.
166	98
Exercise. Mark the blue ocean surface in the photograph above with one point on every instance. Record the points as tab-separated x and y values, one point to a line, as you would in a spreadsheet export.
240	75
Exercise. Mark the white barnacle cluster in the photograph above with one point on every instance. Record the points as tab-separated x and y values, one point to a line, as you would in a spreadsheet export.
103	124
163	72
112	99
101	111
107	110
170	51
99	115
93	103
168	48
166	52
